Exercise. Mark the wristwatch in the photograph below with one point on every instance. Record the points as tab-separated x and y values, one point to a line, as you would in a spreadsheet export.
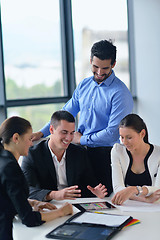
140	190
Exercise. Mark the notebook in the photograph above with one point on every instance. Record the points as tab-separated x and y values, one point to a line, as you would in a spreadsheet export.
90	226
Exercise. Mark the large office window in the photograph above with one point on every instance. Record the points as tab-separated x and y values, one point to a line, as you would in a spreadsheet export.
32	48
38	51
34	60
96	20
37	115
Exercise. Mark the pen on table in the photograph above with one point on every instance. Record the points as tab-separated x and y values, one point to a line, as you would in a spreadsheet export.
99	212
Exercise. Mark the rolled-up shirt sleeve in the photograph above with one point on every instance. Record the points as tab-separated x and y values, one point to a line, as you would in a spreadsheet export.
122	104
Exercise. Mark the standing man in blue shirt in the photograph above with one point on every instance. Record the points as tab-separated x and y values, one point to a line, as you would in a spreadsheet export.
102	100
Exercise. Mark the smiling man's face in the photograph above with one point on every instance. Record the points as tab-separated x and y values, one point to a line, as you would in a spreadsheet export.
101	69
62	135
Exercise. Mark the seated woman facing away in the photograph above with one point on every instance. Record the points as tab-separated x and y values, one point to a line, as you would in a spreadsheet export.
15	140
135	164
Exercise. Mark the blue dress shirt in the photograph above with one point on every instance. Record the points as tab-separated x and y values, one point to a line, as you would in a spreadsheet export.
101	106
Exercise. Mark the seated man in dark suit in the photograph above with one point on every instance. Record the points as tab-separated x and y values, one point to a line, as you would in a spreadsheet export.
57	169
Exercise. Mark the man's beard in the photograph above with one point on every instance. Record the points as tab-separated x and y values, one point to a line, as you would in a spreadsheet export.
105	76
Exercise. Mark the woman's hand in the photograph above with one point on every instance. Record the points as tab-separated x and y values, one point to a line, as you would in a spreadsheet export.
66	209
40	206
153	197
121	196
100	190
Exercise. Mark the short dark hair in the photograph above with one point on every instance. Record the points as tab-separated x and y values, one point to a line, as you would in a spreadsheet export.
61	115
136	123
104	50
11	126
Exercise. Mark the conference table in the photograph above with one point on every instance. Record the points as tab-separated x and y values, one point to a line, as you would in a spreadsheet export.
148	228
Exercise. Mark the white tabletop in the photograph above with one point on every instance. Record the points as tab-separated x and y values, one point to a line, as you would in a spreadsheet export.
148	229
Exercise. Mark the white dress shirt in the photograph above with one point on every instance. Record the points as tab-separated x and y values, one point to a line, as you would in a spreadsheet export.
60	168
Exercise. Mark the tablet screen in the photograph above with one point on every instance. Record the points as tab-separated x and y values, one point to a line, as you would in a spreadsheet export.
94	206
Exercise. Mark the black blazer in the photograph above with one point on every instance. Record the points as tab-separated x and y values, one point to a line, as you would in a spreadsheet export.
13	196
39	170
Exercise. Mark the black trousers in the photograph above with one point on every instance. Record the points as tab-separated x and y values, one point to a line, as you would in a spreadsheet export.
100	159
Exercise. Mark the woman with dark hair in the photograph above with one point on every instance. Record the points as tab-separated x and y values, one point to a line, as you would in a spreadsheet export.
15	140
135	163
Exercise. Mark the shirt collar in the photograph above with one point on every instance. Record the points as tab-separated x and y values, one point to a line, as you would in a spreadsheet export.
55	157
108	80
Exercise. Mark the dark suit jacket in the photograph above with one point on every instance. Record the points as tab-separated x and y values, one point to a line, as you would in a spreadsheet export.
100	159
39	170
13	196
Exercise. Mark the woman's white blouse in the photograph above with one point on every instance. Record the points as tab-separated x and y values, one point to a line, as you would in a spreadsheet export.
120	162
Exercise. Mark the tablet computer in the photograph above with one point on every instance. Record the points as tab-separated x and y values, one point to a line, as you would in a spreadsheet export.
93	206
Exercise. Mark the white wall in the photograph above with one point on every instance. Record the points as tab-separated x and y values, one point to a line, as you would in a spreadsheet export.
146	33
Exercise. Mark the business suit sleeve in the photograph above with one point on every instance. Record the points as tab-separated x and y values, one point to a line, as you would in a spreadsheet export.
29	169
90	179
13	181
